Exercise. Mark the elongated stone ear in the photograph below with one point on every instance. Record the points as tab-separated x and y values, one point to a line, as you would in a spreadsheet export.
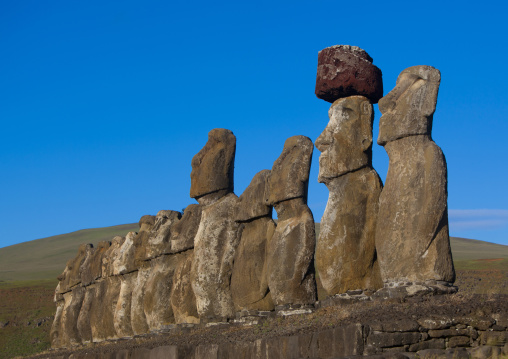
433	80
367	117
366	108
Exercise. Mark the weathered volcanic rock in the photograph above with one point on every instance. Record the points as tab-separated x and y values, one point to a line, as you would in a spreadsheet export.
289	177
412	237
71	274
249	282
141	241
251	204
83	324
125	260
184	231
58	293
345	250
213	166
103	308
183	300
138	317
409	108
85	265
290	255
157	298
214	249
97	309
91	269
72	307
56	333
122	313
347	71
290	252
110	256
109	301
346	142
159	241
146	223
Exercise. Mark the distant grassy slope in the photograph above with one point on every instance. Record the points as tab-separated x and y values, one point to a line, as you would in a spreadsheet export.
46	258
468	249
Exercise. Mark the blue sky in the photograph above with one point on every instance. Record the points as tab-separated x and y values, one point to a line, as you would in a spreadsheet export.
104	103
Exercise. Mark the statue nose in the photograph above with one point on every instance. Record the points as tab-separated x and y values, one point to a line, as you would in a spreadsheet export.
322	142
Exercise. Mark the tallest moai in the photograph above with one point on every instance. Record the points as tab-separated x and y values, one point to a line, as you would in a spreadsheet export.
345	251
412	237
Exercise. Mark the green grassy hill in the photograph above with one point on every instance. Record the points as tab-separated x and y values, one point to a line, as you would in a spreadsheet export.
46	258
468	249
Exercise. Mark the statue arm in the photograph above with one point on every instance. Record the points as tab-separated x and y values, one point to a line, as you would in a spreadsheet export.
435	194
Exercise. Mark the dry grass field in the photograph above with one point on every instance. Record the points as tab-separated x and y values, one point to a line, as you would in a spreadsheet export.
28	274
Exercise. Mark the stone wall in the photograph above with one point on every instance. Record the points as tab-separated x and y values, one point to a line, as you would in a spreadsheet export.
431	337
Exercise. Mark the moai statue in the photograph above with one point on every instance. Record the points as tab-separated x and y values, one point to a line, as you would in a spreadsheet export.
91	272
412	237
56	333
138	318
157	296
91	269
345	250
290	252
125	271
184	231
157	290
159	241
183	300
132	254
125	261
107	291
70	296
83	322
71	275
142	248
249	282
73	302
217	237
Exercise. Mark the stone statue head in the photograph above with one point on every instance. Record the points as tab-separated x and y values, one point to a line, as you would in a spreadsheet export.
346	142
408	109
71	275
213	166
91	269
289	177
184	231
251	204
111	255
124	261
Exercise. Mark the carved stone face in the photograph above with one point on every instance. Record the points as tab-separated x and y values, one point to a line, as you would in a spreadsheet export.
213	166
408	109
71	275
289	177
346	142
251	204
